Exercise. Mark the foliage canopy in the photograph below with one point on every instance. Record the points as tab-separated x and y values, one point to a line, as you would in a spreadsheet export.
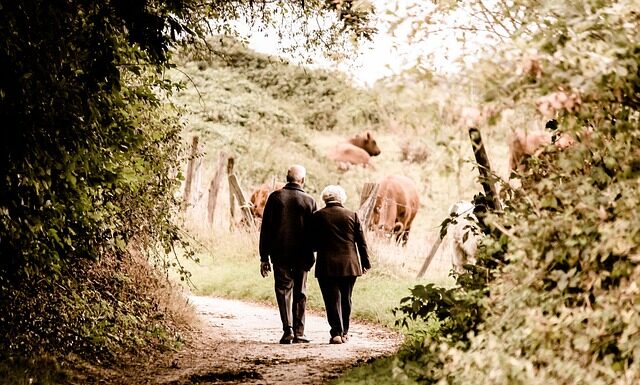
89	161
554	296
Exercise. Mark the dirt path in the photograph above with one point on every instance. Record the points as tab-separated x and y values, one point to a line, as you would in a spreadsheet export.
237	343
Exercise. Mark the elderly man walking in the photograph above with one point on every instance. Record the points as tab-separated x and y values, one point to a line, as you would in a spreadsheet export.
284	239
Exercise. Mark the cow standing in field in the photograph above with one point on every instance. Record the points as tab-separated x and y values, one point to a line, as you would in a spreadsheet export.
358	150
259	197
397	203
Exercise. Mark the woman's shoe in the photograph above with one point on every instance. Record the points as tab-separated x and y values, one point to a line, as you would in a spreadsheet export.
335	340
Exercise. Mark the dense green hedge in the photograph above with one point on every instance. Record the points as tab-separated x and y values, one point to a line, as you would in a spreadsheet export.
83	138
89	170
554	298
89	164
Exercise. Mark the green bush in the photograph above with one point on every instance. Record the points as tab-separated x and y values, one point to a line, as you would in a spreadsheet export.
560	264
89	169
561	304
89	163
324	100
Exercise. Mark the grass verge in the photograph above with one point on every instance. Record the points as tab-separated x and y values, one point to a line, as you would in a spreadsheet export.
229	267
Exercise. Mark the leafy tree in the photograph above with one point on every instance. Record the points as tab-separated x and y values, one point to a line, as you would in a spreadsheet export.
557	307
90	155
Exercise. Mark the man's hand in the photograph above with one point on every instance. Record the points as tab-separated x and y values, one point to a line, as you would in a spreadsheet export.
265	268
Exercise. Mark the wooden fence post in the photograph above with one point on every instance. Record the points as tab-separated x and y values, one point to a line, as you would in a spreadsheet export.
488	185
196	185
232	202
484	168
214	187
367	202
245	210
186	198
430	256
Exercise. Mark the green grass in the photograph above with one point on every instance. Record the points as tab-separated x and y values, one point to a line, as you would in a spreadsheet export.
378	372
229	268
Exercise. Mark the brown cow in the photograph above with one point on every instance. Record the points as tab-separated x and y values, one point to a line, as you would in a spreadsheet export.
397	203
527	144
358	150
259	197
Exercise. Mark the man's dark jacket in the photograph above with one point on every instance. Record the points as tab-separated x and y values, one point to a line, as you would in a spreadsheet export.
339	240
284	233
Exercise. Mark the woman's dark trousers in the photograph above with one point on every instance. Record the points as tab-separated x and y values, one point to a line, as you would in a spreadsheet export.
336	293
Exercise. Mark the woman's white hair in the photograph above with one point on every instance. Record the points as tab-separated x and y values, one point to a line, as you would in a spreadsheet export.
334	193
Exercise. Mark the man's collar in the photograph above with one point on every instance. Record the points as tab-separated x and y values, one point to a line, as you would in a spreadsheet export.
293	186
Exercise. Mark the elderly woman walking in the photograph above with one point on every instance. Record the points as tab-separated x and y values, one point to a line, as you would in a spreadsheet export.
342	256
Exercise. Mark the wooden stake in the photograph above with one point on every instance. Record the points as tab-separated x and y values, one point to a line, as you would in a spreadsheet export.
189	177
367	203
232	202
484	168
234	187
430	256
214	188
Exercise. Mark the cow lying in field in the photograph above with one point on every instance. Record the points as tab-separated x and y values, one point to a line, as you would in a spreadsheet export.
358	150
463	235
259	197
397	203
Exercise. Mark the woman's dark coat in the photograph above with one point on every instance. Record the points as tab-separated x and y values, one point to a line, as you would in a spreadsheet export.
338	238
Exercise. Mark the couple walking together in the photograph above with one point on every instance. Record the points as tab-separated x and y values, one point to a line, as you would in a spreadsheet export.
292	229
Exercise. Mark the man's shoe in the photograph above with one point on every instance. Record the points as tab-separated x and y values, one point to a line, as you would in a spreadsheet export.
287	337
335	340
345	338
301	340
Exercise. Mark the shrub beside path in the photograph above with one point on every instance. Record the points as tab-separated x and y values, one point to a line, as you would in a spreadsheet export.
237	343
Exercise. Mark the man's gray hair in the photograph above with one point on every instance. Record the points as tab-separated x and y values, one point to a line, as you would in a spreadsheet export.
334	193
296	174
